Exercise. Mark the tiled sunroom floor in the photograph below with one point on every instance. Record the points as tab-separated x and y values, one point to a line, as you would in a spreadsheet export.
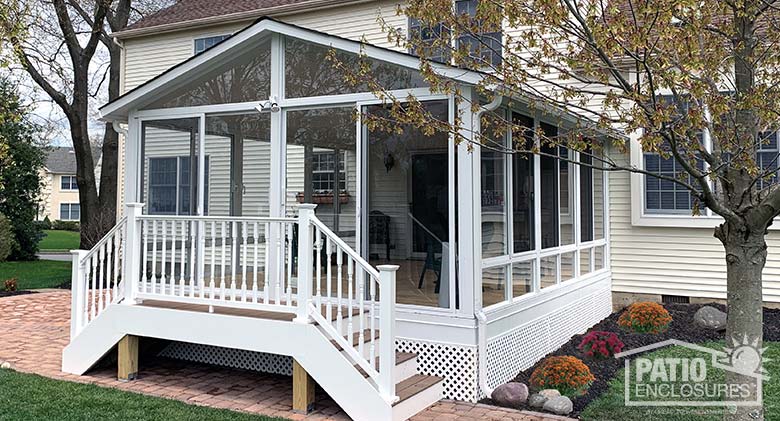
34	329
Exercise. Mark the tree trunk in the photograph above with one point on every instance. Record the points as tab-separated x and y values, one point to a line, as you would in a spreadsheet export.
745	259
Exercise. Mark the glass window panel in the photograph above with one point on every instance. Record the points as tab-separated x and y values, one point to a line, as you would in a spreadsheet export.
599	223
310	71
408	207
329	135
567	266
170	160
238	153
494	203
548	271
523	184
494	281
548	173
599	258
245	77
585	266
586	196
203	44
522	278
566	176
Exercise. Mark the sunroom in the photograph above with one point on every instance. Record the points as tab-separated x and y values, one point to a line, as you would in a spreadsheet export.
496	257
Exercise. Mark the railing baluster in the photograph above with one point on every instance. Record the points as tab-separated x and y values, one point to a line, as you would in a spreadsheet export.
154	256
100	278
280	259
222	256
372	291
191	227
183	256
361	310
256	237
318	263
93	289
266	274
350	298
212	286
339	292
85	291
117	249
235	256
329	303
144	254
174	235
163	278
289	244
243	264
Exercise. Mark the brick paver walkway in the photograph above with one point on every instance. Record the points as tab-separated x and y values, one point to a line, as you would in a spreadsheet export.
34	329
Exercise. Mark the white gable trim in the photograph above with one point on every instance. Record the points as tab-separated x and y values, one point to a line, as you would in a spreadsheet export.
119	108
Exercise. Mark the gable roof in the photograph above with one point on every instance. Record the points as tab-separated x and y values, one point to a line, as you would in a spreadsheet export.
188	13
61	160
183	72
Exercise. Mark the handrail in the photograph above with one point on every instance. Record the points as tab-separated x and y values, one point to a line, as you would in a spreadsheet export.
217	218
345	247
119	225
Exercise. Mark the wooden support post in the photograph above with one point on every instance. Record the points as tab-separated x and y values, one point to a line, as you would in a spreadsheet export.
303	390
127	358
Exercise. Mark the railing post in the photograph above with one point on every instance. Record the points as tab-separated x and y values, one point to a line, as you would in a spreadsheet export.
77	291
387	331
132	270
305	250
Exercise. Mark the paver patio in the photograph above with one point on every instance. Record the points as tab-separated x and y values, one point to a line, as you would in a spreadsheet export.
34	329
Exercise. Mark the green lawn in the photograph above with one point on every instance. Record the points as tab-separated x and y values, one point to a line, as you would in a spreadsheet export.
55	240
32	397
36	274
611	405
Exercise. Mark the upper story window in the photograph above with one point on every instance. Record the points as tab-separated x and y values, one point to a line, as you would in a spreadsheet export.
203	44
324	172
68	182
487	46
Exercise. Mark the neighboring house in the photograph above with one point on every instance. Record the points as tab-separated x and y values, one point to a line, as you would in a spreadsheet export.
59	192
235	119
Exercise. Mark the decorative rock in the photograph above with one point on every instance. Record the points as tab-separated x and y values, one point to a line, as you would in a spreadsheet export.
536	400
512	394
710	318
550	393
5	364
560	405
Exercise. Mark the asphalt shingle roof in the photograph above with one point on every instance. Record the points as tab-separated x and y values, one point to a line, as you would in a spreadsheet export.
61	160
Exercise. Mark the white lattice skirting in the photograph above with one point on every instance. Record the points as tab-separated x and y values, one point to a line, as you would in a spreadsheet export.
521	347
229	357
457	364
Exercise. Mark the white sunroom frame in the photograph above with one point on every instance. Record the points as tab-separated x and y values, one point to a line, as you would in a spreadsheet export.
450	325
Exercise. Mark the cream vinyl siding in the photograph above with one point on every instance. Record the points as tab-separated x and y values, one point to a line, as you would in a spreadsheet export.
673	261
148	56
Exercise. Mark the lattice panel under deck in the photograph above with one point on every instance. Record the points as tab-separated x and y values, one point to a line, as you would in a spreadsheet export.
229	357
521	347
456	364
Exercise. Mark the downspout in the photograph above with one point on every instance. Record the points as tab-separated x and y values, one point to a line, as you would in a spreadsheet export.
478	313
119	129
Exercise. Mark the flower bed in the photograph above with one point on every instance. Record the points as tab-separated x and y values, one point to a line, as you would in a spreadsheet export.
682	328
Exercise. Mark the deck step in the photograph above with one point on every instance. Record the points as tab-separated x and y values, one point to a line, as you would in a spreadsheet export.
344	312
414	385
401	359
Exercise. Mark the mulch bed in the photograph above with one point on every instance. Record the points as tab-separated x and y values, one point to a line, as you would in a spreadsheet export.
682	328
12	293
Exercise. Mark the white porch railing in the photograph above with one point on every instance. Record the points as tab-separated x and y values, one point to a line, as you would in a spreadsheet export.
289	265
96	280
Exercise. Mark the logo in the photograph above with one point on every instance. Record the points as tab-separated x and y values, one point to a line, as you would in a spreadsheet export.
697	377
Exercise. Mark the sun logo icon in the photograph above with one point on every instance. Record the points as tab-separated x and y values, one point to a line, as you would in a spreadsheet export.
745	357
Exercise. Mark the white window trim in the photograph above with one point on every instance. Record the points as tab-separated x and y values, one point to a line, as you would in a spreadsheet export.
207	36
70	211
70	184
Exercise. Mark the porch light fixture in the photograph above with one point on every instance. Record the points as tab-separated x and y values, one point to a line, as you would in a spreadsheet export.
271	104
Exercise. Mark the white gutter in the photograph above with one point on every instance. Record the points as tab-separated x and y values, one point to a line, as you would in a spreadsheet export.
119	129
478	313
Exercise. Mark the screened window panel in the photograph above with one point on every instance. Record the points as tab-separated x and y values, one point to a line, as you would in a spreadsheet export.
245	77
549	178
523	185
494	204
586	197
566	188
310	71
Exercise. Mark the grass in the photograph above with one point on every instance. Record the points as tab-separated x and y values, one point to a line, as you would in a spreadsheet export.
36	274
611	405
32	397
55	240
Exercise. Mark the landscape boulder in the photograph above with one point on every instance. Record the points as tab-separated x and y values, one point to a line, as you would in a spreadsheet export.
512	394
560	405
537	400
709	317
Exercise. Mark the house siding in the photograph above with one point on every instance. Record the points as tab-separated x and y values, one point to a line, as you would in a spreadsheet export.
672	261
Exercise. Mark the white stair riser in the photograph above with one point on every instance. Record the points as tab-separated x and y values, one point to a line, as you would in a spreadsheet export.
412	406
